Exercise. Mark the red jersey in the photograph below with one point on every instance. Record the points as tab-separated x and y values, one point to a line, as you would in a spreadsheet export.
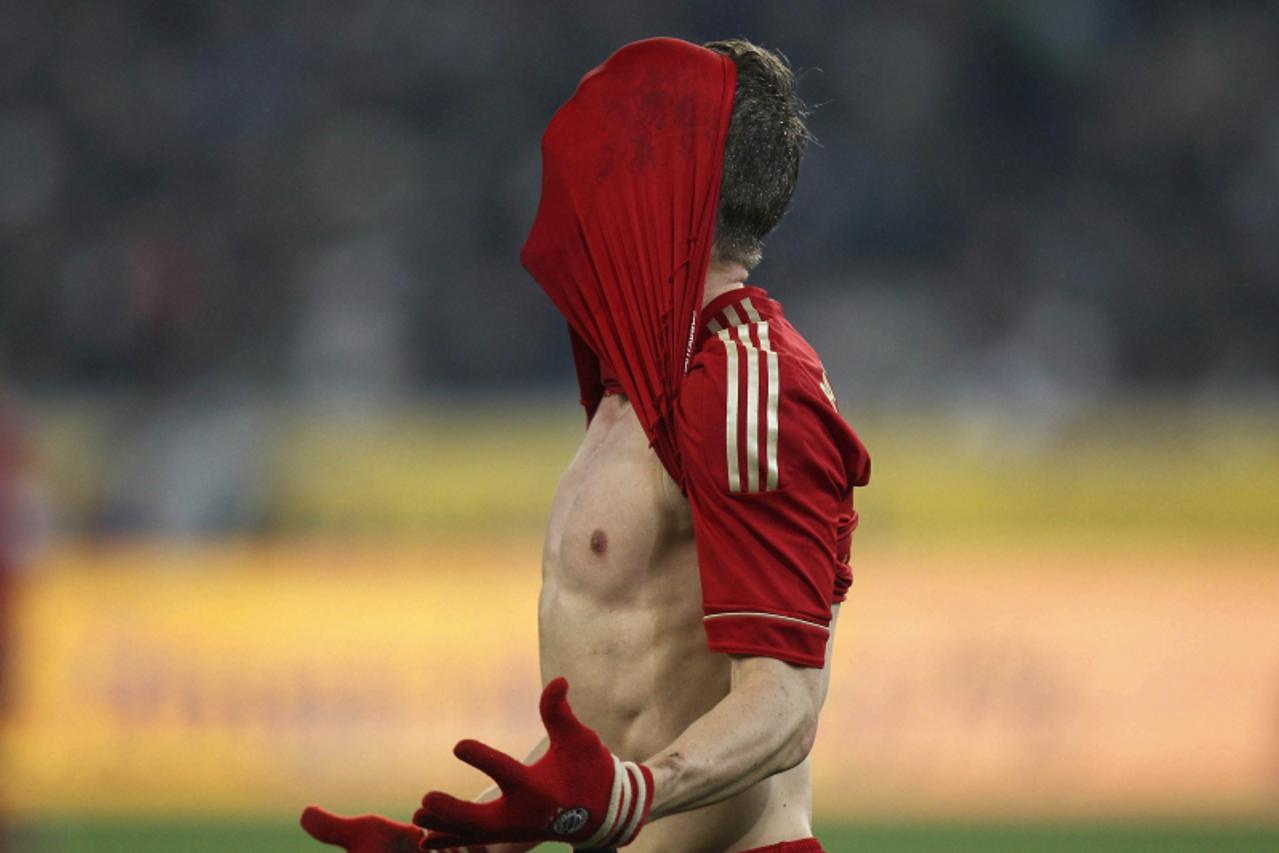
733	402
770	467
631	167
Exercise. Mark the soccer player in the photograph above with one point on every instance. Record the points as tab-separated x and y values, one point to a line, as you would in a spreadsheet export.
698	543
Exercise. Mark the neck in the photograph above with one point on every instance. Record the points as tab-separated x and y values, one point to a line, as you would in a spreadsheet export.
721	277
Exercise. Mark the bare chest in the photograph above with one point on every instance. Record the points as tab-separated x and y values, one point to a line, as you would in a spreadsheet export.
618	522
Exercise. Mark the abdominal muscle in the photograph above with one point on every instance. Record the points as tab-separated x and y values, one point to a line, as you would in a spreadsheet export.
620	616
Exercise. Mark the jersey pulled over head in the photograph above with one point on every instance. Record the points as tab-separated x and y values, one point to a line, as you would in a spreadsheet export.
631	170
659	148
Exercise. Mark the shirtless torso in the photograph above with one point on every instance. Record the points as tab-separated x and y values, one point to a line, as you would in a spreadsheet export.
620	615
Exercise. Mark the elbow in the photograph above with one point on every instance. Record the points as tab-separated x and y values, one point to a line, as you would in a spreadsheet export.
806	706
789	698
800	728
808	734
803	736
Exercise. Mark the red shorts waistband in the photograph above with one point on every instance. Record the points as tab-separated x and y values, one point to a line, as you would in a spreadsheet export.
806	845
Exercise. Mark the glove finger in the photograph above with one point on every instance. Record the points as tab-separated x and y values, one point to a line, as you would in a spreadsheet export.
502	768
444	813
557	716
327	827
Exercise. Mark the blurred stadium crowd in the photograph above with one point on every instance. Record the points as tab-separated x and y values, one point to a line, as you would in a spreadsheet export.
1039	205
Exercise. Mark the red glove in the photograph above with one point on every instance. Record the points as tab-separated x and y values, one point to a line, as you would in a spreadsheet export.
367	834
578	792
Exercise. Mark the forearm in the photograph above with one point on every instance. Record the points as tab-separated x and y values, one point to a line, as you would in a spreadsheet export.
765	725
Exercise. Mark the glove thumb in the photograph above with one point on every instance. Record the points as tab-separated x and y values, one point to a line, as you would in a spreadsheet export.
557	716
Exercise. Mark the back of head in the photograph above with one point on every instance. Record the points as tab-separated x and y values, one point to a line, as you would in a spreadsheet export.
766	139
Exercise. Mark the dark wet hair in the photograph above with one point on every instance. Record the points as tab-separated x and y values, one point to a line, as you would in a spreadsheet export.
766	139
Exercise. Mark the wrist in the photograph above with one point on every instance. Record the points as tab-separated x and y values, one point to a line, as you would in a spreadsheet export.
629	804
666	770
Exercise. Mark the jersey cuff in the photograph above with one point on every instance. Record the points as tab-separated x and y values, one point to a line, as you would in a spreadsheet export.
770	635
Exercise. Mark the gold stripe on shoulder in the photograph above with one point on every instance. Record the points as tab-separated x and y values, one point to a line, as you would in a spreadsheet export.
752	408
774	392
730	411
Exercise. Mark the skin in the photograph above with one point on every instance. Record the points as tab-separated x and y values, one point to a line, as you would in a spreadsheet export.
727	738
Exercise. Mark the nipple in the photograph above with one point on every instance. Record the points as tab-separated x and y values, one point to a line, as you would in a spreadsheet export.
599	541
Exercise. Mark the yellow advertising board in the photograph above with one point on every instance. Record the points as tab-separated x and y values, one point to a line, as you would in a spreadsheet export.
254	678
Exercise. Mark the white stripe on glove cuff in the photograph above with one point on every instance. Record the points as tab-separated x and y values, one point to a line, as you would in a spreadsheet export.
627	807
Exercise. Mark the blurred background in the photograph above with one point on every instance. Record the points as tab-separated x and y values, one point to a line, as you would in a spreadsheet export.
281	415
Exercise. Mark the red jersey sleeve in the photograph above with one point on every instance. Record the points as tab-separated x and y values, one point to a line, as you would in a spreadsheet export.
770	466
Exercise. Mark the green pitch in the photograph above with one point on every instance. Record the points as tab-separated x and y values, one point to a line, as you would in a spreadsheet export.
75	837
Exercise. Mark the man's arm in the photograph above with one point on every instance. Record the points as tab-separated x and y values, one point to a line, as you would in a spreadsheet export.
765	725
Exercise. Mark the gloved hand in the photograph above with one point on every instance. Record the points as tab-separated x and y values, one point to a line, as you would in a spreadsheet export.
578	792
366	834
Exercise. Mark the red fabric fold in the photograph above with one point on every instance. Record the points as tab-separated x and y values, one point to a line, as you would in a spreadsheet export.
631	168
